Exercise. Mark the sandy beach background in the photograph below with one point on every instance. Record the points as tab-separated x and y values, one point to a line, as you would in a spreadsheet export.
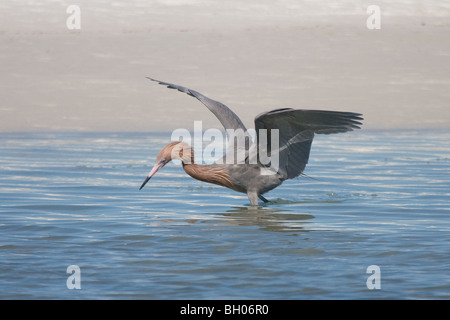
253	56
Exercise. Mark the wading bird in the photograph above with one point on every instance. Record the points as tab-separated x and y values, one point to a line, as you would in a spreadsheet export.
295	129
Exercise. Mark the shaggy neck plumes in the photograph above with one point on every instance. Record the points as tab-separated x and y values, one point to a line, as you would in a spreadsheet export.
207	173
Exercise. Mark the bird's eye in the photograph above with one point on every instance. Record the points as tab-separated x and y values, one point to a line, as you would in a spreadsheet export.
162	161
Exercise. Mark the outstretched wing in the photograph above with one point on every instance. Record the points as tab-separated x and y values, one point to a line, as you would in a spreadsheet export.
296	129
227	117
239	139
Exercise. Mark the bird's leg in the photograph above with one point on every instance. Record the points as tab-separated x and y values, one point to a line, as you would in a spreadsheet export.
253	197
263	199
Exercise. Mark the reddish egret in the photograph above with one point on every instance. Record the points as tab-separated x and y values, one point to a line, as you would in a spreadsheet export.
296	129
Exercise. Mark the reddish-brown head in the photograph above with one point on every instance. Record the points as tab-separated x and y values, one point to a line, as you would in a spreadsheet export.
175	150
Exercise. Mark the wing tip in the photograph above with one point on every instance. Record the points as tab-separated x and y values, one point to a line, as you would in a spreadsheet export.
173	86
153	79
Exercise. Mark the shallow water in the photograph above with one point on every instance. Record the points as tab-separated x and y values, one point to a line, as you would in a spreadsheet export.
370	198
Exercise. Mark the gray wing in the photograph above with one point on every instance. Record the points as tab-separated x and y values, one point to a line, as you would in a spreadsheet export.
227	117
296	133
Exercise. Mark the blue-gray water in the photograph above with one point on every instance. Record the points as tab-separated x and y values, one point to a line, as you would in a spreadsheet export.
371	198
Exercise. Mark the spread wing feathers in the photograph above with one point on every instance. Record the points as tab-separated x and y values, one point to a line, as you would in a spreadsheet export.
227	117
296	129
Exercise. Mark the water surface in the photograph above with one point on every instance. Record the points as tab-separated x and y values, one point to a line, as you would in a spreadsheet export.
370	198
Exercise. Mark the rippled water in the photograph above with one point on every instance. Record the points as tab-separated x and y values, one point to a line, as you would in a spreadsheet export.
370	198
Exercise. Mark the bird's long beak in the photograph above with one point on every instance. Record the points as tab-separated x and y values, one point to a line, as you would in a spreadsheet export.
150	175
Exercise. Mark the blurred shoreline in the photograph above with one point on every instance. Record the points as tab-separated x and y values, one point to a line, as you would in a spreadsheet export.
252	58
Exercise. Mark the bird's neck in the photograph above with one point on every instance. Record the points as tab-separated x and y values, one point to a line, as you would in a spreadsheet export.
209	173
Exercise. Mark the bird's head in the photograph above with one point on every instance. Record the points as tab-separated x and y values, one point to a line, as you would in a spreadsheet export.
175	150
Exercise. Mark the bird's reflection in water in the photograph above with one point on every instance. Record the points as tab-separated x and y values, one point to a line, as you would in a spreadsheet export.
268	217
